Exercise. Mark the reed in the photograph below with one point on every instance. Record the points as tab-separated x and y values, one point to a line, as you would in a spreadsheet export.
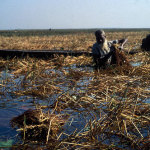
104	109
78	41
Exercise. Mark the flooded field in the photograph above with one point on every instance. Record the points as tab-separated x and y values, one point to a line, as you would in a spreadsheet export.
64	103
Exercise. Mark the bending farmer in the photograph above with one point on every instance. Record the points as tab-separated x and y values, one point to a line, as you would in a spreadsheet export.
102	50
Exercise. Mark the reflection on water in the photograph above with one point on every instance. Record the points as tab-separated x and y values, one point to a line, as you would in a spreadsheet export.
147	100
5	116
136	64
7	133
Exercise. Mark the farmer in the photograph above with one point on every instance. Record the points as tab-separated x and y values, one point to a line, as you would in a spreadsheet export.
102	51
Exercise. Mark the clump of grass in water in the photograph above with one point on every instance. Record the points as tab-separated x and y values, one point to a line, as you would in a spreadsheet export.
36	125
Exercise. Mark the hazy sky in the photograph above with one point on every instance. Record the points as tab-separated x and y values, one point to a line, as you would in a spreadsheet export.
45	14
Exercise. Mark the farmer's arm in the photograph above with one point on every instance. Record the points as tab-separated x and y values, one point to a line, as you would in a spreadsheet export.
122	42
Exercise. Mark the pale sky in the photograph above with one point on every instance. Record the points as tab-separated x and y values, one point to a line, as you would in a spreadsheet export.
45	14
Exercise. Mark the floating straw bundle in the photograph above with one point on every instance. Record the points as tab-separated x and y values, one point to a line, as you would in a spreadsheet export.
35	125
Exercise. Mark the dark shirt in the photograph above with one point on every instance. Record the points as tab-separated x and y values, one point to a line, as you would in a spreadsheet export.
102	56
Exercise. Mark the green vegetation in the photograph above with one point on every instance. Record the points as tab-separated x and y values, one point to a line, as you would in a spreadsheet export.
50	32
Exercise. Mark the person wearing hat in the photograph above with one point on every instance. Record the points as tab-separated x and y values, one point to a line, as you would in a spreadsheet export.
102	51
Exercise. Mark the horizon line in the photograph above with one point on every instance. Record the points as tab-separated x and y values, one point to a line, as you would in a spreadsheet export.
75	28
